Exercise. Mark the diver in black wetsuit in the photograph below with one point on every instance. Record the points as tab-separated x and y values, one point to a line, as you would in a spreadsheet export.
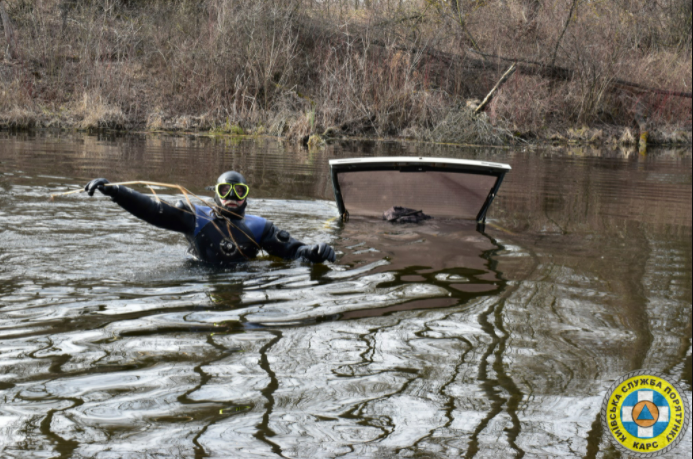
220	235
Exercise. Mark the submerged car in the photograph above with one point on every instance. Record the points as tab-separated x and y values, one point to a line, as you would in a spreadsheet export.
416	186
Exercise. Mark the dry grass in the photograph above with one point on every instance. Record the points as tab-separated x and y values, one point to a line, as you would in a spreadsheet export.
300	67
16	108
462	126
530	103
95	113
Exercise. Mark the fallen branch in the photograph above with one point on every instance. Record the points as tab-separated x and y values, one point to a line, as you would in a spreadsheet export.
554	71
493	91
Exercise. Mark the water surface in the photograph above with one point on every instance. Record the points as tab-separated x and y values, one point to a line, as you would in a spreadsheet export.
429	340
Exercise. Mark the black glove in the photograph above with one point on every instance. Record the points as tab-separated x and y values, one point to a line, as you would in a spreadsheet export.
99	184
316	253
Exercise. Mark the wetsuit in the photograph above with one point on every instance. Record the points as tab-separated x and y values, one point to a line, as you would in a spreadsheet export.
215	239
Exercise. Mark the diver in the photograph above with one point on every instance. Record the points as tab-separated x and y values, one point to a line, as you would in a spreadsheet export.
219	235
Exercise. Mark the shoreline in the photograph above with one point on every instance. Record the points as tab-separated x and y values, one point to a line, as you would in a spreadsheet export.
657	139
467	129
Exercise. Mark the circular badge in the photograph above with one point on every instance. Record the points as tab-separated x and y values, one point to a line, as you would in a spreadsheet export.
644	414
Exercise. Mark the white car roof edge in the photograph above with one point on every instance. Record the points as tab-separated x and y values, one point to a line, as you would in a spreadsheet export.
418	160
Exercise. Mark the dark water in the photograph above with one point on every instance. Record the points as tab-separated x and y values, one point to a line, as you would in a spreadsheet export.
421	341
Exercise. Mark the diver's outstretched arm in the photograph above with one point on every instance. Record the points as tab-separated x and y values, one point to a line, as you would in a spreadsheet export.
158	213
280	243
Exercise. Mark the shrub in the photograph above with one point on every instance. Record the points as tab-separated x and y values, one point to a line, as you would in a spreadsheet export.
381	67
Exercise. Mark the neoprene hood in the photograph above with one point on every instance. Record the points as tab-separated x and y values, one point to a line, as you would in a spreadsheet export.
232	177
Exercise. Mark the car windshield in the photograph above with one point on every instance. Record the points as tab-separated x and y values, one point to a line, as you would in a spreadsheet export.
440	188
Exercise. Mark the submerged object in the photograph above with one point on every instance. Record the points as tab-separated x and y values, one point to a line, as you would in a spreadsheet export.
441	187
397	214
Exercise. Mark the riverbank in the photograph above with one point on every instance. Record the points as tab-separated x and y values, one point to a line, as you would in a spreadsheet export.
305	70
478	131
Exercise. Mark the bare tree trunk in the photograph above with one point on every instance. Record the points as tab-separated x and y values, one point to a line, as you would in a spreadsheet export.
565	27
9	31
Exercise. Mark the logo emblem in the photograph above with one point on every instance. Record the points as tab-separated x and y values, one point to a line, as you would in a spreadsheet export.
645	414
227	248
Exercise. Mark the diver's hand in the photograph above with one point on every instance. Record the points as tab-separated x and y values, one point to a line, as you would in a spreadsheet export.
100	184
317	253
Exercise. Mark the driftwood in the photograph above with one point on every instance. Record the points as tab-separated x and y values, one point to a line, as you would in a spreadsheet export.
9	31
493	91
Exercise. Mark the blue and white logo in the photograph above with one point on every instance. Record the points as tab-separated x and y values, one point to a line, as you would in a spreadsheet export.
645	414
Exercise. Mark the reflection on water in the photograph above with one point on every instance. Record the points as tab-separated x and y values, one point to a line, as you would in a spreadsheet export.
428	340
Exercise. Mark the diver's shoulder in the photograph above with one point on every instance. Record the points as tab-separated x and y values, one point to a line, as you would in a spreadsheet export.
202	209
260	226
254	218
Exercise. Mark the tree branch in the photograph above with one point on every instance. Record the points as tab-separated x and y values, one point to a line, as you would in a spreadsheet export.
565	27
493	91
